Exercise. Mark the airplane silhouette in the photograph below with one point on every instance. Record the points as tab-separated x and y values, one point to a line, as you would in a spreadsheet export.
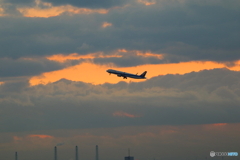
125	74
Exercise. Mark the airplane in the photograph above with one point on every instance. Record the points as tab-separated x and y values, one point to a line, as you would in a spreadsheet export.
125	74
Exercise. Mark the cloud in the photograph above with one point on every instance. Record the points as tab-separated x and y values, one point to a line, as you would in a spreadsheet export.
106	24
219	124
43	9
41	136
90	3
127	58
147	3
124	114
182	30
163	100
183	114
121	57
189	141
74	56
19	2
1	12
26	66
83	3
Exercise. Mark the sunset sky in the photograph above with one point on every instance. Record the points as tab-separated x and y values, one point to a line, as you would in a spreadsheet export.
55	91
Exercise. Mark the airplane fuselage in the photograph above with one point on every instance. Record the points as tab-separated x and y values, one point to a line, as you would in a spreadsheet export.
125	74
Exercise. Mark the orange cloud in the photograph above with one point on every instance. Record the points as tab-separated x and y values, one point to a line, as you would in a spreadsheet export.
40	136
75	56
96	74
117	54
106	24
149	54
214	126
86	72
50	11
140	53
124	114
122	50
147	2
2	12
16	138
219	124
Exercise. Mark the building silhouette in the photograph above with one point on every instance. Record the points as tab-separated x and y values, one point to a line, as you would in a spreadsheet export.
129	157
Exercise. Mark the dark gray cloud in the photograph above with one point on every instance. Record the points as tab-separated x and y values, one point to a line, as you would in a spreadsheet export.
208	80
163	100
186	31
34	37
27	67
16	1
89	3
193	31
129	60
82	3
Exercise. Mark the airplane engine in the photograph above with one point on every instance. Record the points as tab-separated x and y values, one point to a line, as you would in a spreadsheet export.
119	75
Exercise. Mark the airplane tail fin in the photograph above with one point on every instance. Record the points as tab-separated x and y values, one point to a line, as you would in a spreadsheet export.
143	74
